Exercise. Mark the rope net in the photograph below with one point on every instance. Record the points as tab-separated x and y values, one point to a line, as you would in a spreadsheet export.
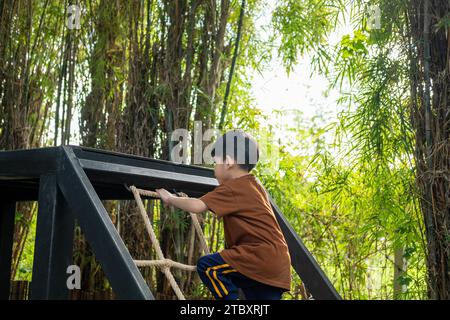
163	263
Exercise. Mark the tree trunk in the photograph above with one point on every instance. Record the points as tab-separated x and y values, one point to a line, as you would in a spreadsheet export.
399	272
431	118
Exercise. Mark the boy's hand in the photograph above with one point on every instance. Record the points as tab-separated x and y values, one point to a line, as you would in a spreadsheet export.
165	196
186	204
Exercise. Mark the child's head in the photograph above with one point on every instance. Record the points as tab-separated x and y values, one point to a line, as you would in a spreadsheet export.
234	152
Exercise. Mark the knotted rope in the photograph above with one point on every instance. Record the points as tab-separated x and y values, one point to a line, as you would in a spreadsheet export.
162	262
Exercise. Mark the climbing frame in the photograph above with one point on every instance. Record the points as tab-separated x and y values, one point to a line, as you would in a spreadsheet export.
70	183
163	263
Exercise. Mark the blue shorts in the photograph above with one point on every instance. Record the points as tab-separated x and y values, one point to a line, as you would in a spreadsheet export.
223	281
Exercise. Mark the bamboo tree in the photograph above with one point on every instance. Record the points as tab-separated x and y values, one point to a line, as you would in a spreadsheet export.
233	64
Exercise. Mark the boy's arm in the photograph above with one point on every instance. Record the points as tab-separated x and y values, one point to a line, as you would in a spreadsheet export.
187	204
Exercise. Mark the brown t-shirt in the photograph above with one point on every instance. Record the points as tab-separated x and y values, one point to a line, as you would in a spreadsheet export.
255	245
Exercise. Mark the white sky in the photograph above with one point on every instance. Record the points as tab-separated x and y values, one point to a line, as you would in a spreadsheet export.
273	89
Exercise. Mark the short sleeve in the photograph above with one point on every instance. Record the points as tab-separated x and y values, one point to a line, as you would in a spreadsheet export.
220	201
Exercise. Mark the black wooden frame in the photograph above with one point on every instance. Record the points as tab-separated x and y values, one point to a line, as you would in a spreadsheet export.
69	182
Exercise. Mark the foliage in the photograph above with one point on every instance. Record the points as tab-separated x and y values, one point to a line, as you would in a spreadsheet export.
137	70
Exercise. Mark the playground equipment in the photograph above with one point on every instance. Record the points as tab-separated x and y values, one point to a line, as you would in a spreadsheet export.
164	263
69	183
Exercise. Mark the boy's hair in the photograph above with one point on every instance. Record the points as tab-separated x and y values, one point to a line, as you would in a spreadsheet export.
240	146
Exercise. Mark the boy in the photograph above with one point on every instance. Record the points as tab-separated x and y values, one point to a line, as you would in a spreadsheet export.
256	258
